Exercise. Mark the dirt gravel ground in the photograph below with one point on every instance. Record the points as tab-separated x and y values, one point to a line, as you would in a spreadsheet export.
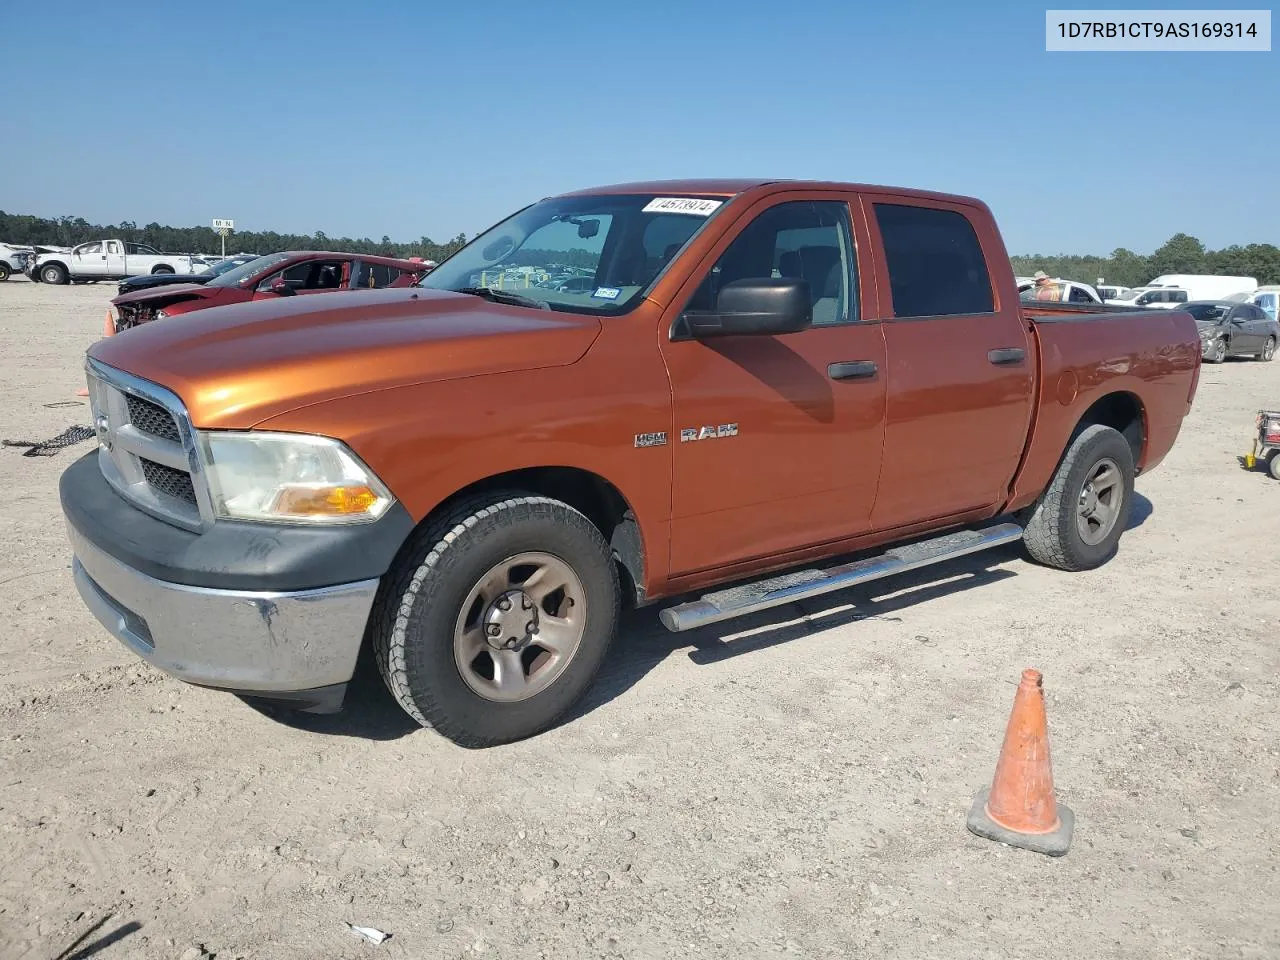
791	785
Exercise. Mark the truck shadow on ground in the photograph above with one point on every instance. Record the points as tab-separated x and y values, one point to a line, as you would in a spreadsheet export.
642	643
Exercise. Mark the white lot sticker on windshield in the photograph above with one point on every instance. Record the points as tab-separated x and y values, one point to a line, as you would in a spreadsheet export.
607	293
699	208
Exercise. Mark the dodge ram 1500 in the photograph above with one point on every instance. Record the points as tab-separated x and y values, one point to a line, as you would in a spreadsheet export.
768	391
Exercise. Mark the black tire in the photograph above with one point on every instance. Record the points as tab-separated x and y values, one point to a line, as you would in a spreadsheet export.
1273	465
54	273
1051	534
414	617
161	269
1268	350
5	272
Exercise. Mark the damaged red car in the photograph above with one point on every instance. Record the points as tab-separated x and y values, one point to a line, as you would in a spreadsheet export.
267	277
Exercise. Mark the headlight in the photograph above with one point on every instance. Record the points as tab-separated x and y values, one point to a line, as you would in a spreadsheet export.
290	477
161	315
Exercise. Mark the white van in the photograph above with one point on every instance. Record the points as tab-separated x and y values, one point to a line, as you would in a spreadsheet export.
1205	286
1164	298
1268	298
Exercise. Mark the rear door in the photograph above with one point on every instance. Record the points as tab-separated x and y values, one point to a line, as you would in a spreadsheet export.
117	262
775	445
961	363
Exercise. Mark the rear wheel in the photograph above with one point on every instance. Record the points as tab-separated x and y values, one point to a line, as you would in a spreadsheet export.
53	273
1268	350
1273	465
1077	522
496	618
161	269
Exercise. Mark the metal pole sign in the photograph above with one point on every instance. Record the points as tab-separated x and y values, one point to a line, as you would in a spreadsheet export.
224	227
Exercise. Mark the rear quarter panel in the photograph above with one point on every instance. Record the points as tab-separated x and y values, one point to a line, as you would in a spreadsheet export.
1084	357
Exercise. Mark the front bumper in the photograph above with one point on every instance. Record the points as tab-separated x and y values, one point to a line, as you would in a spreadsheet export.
262	610
239	640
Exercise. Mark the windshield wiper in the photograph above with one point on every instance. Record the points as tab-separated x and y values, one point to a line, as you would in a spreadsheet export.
503	296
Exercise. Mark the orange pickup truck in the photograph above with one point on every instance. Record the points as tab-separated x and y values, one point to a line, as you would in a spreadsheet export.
742	392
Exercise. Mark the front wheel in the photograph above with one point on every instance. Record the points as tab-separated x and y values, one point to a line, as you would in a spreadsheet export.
496	618
54	273
1268	350
5	272
1217	351
1077	522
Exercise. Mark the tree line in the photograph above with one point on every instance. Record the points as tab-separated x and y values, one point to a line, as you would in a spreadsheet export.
1180	254
25	230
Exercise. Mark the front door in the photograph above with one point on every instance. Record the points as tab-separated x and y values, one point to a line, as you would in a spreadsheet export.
116	265
775	447
1268	303
89	260
960	363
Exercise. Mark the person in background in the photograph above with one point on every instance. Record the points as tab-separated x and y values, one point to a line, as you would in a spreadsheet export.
1045	288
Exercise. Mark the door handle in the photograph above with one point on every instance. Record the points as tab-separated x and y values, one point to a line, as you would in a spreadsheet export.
852	370
1006	355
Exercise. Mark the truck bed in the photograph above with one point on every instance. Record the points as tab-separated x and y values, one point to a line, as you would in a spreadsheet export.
1088	354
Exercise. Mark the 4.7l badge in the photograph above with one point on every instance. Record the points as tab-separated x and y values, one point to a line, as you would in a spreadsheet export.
708	433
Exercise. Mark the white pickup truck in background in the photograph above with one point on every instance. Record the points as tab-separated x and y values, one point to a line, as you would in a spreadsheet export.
109	260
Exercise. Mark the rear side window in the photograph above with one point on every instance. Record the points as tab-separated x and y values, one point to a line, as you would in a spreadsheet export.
936	267
374	275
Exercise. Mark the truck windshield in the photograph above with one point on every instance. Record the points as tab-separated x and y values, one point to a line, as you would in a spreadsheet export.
248	270
582	254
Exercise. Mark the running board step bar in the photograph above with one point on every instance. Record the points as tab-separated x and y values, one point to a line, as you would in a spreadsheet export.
802	584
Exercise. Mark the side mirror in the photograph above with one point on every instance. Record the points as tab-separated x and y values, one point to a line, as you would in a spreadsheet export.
767	306
588	229
282	289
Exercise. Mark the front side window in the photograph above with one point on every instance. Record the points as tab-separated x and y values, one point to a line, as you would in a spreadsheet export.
1080	295
89	248
808	240
584	254
936	266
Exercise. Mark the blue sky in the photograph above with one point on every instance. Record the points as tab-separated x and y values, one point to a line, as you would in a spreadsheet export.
412	119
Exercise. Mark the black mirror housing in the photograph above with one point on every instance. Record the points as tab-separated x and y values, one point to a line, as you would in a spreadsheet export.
758	306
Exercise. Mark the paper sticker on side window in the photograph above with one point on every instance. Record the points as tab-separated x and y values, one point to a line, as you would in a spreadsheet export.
606	293
691	205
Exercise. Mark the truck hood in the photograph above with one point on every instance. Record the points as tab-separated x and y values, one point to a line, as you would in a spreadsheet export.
238	365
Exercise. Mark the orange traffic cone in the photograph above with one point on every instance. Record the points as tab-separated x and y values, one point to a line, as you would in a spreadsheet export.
1020	808
108	326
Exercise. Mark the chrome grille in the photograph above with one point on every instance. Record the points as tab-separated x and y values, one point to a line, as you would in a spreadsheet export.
171	482
146	447
152	418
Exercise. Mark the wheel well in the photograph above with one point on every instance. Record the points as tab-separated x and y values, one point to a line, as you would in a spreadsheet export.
161	268
595	497
1124	413
52	263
